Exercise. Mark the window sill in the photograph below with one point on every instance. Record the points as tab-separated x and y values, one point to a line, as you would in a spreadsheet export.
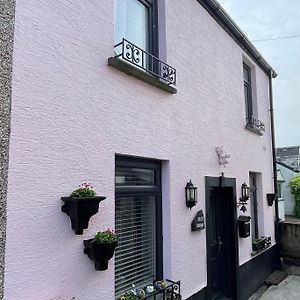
253	129
139	74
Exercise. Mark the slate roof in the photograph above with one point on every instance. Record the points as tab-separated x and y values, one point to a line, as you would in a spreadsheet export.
290	156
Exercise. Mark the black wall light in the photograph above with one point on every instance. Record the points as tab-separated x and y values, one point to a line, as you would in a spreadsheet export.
190	194
245	194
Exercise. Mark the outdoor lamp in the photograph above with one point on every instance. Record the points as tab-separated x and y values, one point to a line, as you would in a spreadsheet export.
245	194
190	194
245	191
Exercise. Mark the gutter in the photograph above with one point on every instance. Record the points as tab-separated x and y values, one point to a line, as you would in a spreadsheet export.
225	21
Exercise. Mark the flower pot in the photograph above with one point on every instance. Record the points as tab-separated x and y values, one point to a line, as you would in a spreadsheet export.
80	211
261	244
271	198
100	253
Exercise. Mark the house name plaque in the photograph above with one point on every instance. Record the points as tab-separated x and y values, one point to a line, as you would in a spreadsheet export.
198	222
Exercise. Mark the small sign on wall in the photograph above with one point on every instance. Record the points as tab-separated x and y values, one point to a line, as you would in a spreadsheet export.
198	222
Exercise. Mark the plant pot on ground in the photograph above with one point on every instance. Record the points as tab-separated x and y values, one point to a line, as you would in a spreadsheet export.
80	206
101	248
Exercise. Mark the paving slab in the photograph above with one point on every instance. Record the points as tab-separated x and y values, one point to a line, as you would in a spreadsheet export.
276	277
288	289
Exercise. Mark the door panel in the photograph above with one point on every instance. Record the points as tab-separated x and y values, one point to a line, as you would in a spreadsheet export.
221	241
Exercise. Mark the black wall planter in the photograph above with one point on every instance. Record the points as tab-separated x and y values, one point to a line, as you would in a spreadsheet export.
80	211
99	253
271	198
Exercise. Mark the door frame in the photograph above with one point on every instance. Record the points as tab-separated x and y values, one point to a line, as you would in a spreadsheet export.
210	183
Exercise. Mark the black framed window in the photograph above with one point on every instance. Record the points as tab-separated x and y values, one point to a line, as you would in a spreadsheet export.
137	22
248	92
254	205
138	223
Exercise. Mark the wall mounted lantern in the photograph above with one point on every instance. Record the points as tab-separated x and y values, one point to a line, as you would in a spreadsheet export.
245	194
190	194
271	198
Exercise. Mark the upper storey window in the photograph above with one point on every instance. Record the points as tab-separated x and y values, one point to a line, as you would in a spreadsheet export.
253	123
247	90
136	43
136	21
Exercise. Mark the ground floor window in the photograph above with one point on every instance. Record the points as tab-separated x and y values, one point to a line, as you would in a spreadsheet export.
254	205
138	257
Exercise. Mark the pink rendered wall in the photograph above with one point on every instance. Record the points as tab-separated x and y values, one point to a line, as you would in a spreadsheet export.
72	113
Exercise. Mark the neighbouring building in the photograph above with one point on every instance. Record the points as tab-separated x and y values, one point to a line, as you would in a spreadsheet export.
138	97
288	163
290	156
284	191
280	194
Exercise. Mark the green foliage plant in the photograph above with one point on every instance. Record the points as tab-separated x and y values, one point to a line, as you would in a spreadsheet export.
129	297
85	190
295	190
105	237
257	241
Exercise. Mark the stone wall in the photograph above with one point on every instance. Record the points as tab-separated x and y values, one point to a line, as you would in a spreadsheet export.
290	239
7	11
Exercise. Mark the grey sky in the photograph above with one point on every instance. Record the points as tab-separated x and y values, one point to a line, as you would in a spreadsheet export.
270	19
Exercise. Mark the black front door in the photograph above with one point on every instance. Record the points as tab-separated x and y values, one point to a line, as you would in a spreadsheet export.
221	243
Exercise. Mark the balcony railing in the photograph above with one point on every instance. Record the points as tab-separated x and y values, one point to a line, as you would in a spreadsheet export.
256	124
145	61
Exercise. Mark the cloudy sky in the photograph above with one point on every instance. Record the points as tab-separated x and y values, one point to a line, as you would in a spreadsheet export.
272	19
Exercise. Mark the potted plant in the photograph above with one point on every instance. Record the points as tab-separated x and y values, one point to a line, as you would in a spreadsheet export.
80	206
101	248
258	244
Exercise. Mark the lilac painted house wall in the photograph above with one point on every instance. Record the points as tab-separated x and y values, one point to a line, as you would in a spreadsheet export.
72	113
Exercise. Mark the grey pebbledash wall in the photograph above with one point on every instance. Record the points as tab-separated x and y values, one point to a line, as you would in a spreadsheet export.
7	13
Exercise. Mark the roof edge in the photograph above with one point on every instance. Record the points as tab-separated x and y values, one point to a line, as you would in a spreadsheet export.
221	16
286	166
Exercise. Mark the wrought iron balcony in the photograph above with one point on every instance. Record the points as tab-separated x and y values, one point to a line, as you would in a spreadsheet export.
145	61
256	124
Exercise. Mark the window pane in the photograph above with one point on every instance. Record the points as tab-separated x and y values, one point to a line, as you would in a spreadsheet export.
135	255
248	101
253	205
279	188
246	71
126	176
131	22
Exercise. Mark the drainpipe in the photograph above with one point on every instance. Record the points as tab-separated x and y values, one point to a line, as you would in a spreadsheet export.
277	237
